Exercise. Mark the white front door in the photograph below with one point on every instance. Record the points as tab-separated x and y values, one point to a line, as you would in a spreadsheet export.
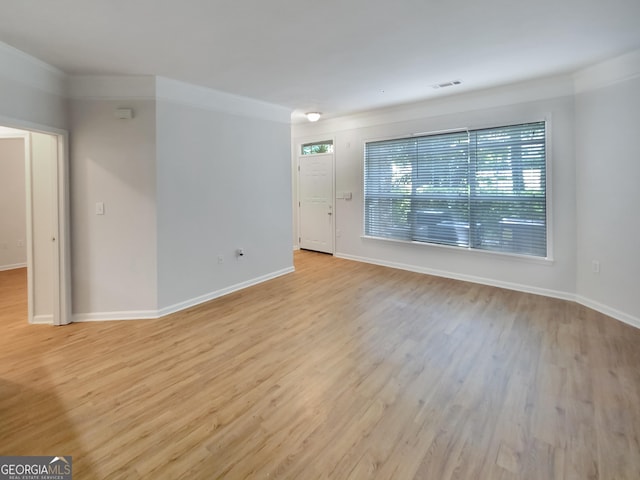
316	202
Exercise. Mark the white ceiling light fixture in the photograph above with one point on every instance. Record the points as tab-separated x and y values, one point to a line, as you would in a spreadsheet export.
313	116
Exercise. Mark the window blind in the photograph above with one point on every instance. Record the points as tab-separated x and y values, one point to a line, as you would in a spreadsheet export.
482	189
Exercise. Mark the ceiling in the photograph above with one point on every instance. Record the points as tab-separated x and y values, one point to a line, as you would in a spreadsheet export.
333	56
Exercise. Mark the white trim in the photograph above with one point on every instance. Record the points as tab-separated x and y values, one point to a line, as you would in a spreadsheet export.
465	278
30	248
111	316
55	206
548	188
610	311
155	314
112	87
15	266
22	68
7	133
41	320
208	99
607	73
20	124
9	50
64	230
572	297
223	291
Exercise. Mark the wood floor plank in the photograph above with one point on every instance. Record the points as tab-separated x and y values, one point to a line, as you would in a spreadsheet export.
341	370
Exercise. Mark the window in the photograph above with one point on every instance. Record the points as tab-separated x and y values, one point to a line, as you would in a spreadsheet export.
481	189
317	147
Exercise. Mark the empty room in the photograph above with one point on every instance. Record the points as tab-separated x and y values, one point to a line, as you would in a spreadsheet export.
320	240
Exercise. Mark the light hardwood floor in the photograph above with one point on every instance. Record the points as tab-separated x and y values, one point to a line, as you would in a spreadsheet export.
340	370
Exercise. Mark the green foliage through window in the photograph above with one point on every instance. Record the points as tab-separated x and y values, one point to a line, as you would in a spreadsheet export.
318	147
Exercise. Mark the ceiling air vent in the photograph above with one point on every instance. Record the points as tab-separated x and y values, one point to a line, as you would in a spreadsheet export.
447	84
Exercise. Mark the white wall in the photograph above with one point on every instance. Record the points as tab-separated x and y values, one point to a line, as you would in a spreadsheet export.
224	182
195	174
114	267
551	99
608	173
13	213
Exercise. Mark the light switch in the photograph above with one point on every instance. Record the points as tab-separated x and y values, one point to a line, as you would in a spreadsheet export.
99	208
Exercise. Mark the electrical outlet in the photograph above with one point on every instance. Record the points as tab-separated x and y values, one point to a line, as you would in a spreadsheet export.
595	266
220	259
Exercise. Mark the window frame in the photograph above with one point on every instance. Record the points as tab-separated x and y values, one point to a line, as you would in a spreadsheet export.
509	121
329	143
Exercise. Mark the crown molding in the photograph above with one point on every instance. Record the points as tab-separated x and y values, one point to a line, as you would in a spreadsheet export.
541	89
607	73
22	68
111	87
196	96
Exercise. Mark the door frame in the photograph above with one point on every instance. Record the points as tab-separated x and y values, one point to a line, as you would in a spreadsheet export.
62	253
298	156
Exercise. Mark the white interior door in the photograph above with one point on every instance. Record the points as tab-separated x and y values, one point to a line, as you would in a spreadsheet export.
46	272
42	225
315	187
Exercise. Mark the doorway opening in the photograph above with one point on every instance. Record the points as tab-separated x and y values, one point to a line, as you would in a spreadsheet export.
33	224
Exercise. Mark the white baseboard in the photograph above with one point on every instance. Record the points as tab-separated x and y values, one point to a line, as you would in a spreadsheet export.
224	291
109	316
607	310
153	314
42	320
12	267
572	297
465	278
